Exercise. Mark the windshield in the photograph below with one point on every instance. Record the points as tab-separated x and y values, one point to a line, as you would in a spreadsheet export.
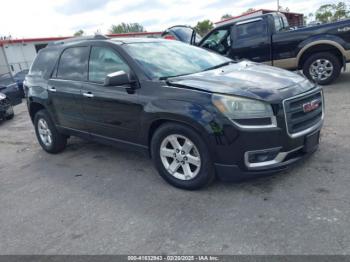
172	58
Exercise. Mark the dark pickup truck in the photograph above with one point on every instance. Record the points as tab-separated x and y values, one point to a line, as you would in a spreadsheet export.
320	51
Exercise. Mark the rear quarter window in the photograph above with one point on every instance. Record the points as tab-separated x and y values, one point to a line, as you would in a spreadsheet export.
44	63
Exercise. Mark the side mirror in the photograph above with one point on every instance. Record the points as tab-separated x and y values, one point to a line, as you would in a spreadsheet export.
117	79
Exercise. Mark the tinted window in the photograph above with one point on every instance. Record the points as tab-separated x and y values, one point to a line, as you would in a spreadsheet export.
278	23
73	64
184	34
172	58
104	61
44	62
251	30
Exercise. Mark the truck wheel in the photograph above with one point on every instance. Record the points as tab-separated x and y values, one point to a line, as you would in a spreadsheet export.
47	134
323	68
181	157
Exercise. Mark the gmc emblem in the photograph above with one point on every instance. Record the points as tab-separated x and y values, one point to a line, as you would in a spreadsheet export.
311	106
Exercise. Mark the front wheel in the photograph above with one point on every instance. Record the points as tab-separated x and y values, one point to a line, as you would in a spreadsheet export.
181	157
323	68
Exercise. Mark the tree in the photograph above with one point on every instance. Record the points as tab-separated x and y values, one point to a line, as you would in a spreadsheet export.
79	33
126	28
308	18
204	27
332	12
325	13
226	16
341	11
249	10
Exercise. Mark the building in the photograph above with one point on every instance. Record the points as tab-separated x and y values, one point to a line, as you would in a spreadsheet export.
18	54
294	19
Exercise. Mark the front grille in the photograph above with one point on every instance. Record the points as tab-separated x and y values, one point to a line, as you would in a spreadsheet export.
296	119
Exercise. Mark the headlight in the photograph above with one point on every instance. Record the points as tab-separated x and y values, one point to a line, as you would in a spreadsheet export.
246	113
2	96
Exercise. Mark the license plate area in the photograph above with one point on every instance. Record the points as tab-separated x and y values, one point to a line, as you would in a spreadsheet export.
311	142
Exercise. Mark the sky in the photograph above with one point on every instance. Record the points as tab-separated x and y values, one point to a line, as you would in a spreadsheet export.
46	18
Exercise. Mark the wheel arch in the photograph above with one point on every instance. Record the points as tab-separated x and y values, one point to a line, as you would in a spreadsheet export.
35	107
320	46
157	123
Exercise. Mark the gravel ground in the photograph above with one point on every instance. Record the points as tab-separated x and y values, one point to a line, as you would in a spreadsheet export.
95	199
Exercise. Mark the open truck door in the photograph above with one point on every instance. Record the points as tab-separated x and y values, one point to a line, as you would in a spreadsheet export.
182	33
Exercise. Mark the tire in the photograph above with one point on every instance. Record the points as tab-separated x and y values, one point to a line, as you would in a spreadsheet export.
58	141
11	115
202	172
324	59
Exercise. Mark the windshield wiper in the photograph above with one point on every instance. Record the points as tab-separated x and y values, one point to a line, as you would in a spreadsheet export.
219	65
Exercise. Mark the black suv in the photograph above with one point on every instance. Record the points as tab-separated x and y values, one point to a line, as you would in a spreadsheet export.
196	113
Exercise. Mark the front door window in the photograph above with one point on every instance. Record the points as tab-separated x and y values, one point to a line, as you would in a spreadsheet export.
104	61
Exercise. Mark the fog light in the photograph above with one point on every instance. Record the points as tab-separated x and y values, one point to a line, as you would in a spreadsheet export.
262	156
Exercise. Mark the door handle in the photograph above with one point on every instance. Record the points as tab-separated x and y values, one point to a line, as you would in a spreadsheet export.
88	94
52	89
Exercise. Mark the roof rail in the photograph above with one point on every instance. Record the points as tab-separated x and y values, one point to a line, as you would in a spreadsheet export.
80	38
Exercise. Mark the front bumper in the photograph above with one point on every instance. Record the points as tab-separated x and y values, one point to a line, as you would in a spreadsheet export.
235	173
13	94
5	111
15	97
245	154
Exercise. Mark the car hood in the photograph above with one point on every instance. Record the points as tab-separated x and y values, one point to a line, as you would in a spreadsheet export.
247	79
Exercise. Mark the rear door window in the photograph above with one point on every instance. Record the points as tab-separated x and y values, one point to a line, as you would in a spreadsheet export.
250	30
73	64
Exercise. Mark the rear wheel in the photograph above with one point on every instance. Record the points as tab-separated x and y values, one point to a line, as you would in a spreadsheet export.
181	157
47	134
323	68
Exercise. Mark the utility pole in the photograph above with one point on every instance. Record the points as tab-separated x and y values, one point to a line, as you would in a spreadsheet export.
278	5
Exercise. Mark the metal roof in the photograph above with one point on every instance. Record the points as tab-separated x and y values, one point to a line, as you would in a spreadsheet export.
52	39
255	11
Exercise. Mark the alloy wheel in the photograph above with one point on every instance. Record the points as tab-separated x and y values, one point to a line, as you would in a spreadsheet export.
44	132
180	157
321	69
